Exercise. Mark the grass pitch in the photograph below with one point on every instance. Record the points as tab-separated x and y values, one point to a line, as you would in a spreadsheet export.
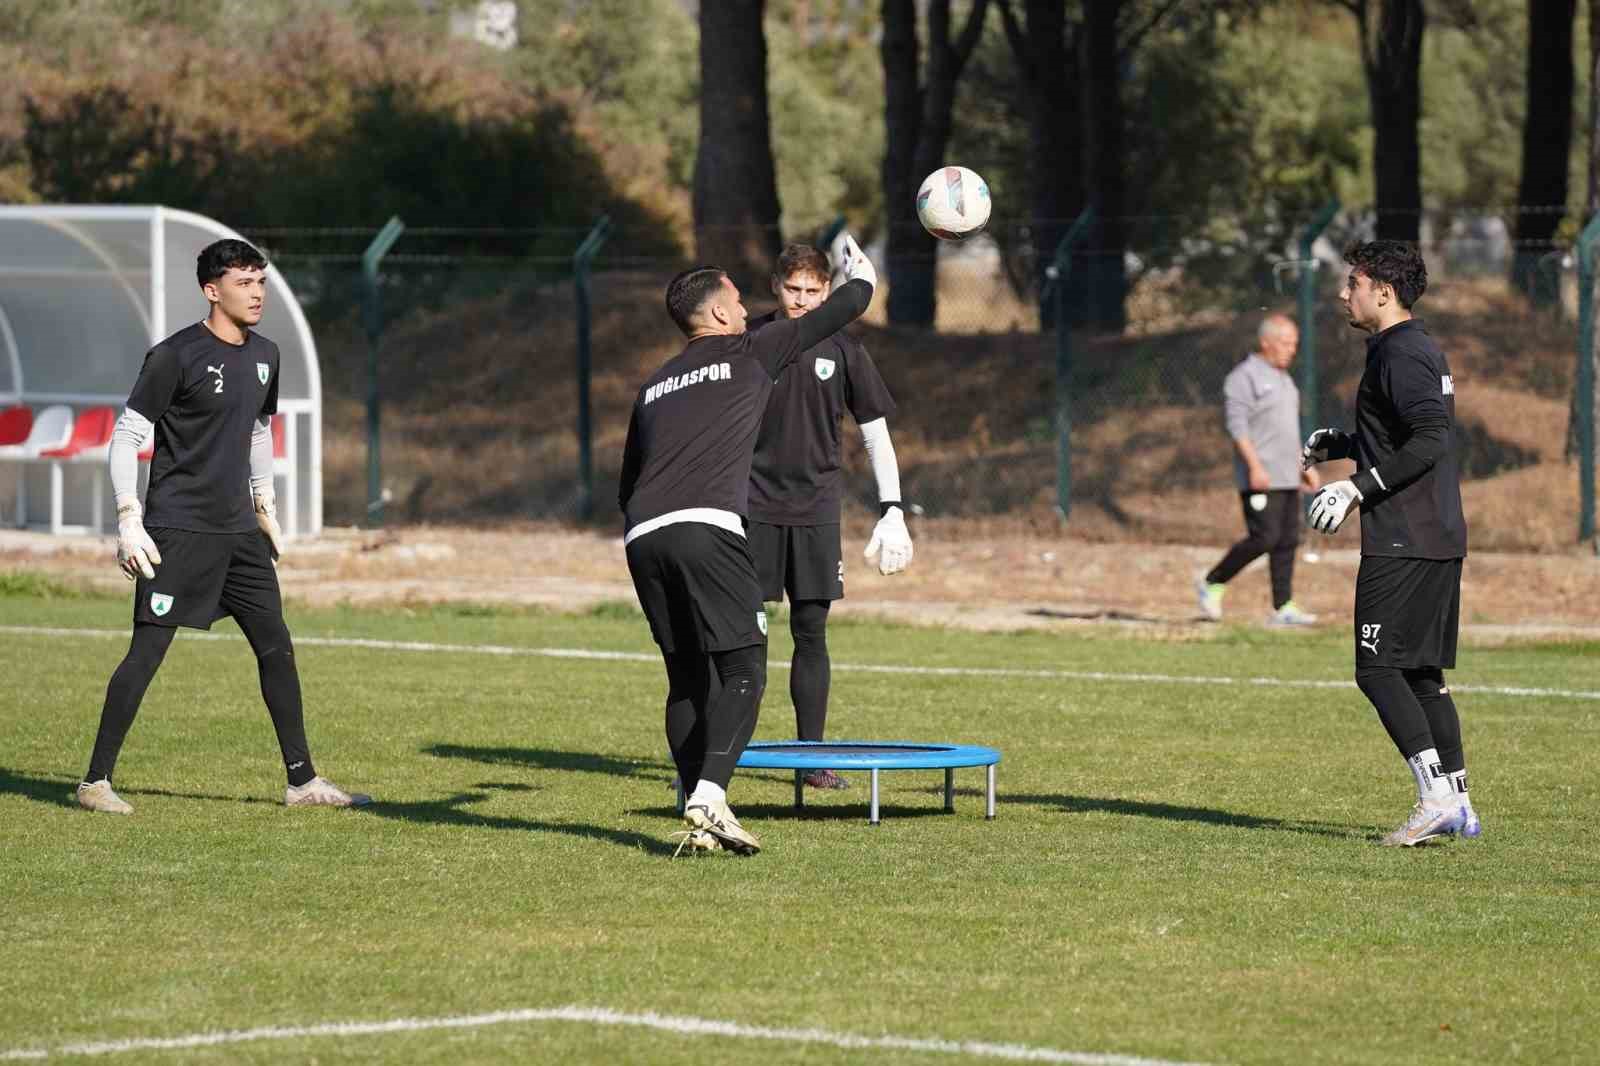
1177	872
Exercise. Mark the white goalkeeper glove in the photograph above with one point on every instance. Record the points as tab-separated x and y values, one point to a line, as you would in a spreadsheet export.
853	262
136	552
891	541
1332	505
266	504
1324	443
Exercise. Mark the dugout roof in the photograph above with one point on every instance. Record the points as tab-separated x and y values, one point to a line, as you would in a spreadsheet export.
86	291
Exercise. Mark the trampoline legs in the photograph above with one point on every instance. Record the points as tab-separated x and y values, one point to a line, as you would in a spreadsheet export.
799	789
988	810
872	809
949	789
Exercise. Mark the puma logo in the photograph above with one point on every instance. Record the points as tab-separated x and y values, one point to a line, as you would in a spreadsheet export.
1373	647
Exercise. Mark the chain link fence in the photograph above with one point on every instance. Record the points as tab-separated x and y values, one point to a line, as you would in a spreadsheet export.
478	374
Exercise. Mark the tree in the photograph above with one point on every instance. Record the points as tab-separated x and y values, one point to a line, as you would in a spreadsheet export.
1391	59
735	186
916	132
1546	144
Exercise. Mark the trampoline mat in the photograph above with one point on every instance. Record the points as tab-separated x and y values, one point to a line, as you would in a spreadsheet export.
864	755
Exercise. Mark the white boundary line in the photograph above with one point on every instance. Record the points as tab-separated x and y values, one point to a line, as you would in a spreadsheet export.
862	668
685	1026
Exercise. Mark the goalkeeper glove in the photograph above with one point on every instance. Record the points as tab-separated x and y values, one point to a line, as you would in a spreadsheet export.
266	504
1332	505
1325	444
891	541
136	552
854	264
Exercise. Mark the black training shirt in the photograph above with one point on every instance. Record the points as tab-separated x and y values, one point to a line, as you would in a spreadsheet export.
796	479
693	431
204	396
1406	465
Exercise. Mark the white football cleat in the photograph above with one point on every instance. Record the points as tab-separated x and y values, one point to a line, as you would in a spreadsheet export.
320	792
1210	598
695	841
1425	823
97	796
1470	825
717	819
1290	614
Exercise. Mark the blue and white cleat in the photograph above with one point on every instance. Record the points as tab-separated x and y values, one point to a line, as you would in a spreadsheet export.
1425	824
1470	825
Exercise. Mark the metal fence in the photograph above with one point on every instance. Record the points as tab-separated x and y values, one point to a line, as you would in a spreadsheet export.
479	376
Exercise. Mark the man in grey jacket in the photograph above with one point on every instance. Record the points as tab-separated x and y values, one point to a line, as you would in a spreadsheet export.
1262	409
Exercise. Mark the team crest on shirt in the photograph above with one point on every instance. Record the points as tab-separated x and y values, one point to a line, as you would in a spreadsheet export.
824	369
761	622
263	372
160	604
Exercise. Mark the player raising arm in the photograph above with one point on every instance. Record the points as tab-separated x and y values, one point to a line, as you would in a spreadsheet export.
1413	534
684	491
203	544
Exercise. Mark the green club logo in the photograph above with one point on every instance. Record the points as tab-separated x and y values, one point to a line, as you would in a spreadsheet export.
263	372
824	369
160	604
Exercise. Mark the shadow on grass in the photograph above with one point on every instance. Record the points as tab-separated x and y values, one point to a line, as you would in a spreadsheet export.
451	811
548	759
56	791
1175	813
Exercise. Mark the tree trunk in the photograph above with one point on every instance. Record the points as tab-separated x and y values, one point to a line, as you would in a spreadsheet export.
1546	145
1049	67
1105	283
1392	60
917	120
735	185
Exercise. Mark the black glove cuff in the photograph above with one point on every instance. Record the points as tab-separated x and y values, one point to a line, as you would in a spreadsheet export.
883	507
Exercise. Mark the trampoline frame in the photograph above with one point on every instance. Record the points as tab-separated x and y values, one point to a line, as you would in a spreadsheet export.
891	755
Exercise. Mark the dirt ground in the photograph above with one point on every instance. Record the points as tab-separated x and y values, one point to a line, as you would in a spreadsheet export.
993	581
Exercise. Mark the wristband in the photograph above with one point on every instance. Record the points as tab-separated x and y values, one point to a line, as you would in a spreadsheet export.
883	507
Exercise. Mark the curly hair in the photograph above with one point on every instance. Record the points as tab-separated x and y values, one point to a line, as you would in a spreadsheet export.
1394	263
218	257
796	258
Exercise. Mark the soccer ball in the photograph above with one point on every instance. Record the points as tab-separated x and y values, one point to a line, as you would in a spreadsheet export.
953	203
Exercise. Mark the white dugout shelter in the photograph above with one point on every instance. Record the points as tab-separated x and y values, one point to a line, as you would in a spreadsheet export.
84	293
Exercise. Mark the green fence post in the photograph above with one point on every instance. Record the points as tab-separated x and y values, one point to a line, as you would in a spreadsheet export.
1058	274
372	313
1310	417
582	259
1584	407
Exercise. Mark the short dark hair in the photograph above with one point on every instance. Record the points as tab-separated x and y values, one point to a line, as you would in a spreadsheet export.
219	257
801	258
1394	263
689	291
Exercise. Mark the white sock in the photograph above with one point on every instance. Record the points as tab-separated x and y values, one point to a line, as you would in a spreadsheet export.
708	793
1458	786
1433	787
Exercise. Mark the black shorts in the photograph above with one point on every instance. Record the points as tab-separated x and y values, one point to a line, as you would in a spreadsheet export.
697	585
804	561
204	576
1408	612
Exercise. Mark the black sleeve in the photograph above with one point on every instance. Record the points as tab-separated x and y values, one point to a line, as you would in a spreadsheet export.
1417	395
778	344
158	383
864	391
631	460
269	402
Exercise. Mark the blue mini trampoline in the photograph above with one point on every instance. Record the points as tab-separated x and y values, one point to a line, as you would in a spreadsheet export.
870	755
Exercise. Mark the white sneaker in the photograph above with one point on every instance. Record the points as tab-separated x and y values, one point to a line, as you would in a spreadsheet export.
1425	823
717	819
320	792
1290	614
97	796
695	841
1210	598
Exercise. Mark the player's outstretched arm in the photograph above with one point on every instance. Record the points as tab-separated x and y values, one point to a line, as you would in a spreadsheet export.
891	541
262	495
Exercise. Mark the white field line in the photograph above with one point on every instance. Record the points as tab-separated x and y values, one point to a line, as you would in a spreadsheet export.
593	1016
862	668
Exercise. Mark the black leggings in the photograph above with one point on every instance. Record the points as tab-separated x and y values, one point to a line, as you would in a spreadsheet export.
712	704
280	687
810	670
1273	531
1416	710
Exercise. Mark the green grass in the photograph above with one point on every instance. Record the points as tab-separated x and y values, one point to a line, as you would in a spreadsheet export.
1177	871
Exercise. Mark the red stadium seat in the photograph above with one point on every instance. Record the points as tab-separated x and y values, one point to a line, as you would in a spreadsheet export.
91	430
15	425
278	449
